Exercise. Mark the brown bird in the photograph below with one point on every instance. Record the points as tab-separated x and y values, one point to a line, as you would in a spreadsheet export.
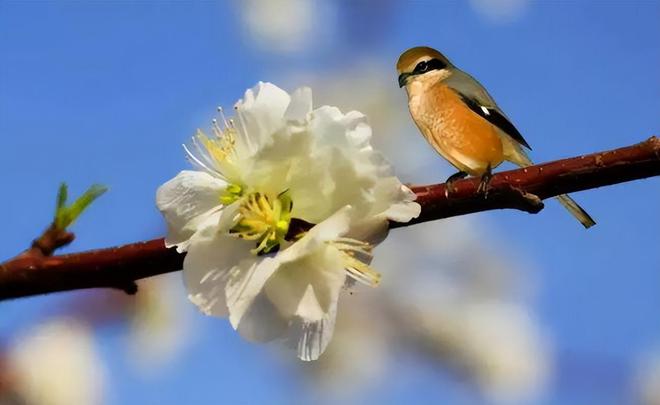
462	122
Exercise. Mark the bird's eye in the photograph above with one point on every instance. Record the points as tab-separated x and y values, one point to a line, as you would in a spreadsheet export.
422	67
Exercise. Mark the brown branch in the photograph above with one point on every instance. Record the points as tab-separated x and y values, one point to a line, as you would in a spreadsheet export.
521	189
50	240
511	189
116	267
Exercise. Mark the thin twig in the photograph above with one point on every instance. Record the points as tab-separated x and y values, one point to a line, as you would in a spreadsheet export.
52	239
521	189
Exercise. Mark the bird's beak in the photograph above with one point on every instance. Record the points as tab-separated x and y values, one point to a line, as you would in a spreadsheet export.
403	77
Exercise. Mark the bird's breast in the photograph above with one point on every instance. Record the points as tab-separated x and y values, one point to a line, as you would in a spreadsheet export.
467	140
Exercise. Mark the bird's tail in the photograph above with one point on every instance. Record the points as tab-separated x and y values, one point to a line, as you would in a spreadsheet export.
578	212
520	158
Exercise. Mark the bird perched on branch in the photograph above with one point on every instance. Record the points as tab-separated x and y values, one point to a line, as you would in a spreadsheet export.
462	122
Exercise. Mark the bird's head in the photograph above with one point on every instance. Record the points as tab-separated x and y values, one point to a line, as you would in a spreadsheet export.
422	64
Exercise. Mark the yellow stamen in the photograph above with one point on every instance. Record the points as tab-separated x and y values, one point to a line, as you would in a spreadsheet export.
356	255
264	219
221	147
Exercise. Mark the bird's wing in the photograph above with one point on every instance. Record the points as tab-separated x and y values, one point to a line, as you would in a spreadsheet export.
477	98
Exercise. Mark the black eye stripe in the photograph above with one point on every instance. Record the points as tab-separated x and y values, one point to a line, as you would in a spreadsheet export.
432	64
436	64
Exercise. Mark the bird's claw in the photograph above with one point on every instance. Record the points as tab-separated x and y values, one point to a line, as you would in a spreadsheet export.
484	184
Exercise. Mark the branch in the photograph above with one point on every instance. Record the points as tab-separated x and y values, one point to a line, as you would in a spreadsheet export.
116	267
52	239
521	189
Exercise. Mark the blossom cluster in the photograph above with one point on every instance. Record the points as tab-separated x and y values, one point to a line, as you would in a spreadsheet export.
282	212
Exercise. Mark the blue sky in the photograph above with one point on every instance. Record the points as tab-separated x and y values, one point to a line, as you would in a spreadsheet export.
106	92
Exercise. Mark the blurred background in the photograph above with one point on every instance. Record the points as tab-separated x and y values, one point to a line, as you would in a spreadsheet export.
497	307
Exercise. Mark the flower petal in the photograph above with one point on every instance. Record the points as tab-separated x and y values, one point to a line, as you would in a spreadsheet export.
313	337
342	168
330	179
300	106
266	295
245	284
207	268
333	227
230	216
262	322
395	201
259	115
307	286
372	229
306	291
190	202
331	127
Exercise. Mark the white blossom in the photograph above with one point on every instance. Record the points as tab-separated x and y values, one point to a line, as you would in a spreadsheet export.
288	26
282	163
159	326
57	363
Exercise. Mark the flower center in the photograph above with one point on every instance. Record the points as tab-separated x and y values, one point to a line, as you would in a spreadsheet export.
357	255
264	219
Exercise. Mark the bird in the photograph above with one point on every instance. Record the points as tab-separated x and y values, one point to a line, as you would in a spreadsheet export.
462	122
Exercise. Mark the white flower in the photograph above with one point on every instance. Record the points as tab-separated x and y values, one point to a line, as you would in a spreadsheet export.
57	363
244	217
283	26
159	329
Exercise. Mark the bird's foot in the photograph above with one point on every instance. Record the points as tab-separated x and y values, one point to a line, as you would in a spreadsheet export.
449	188
484	184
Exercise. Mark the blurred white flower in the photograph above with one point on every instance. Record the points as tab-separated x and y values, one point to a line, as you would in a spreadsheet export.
159	325
501	11
455	304
287	25
466	312
497	342
282	162
57	364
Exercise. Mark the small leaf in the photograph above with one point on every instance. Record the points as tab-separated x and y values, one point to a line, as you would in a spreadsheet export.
62	195
66	215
